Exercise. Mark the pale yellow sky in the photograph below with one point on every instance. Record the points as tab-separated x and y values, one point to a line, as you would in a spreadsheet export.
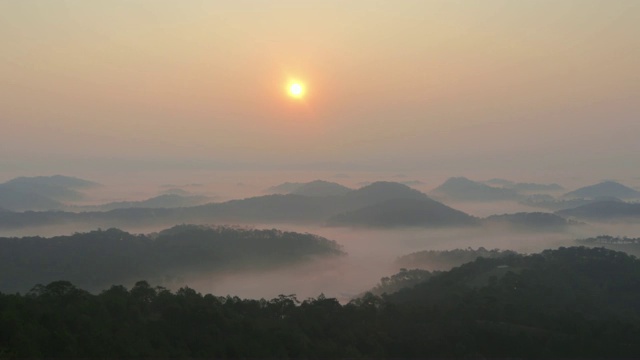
525	84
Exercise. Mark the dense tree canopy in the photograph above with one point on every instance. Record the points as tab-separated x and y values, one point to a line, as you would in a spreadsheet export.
98	259
563	303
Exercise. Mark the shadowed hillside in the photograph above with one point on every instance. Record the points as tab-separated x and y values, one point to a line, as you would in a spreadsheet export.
100	258
404	212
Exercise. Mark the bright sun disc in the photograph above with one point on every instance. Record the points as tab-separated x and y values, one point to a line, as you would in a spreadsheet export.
296	90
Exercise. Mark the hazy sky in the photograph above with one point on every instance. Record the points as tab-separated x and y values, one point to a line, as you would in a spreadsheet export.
446	85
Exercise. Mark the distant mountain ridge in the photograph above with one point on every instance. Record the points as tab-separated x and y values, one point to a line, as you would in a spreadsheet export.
381	204
321	188
269	208
524	187
404	212
463	189
312	188
605	211
530	221
160	201
42	192
604	189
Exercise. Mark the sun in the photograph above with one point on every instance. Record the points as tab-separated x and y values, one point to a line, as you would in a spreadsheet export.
296	90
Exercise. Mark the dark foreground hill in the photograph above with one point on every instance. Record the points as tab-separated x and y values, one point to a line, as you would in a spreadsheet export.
570	302
100	258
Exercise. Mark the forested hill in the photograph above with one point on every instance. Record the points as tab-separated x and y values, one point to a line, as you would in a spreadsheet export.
98	259
570	302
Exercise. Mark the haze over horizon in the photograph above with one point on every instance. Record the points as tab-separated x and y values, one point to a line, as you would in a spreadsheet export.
531	88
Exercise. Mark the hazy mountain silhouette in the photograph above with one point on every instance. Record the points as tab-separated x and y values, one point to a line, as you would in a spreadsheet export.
269	208
463	189
404	212
20	200
381	191
604	211
604	189
529	221
285	188
551	203
41	192
69	182
321	188
524	187
176	191
381	204
160	201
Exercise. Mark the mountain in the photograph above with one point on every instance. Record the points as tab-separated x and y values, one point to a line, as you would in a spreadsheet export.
321	188
19	200
285	188
41	192
381	191
380	204
101	258
55	181
550	203
312	188
463	189
529	221
524	187
604	189
160	201
604	211
404	212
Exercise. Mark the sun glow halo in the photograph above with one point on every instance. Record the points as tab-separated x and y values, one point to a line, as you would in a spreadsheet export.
296	90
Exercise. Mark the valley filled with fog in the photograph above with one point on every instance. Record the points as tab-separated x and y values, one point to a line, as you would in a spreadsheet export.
419	215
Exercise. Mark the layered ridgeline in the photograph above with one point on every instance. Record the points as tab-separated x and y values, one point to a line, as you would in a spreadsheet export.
525	187
619	243
604	211
101	258
381	204
604	192
42	192
570	302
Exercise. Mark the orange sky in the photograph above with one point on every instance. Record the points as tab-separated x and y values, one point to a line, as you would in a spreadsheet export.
450	84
